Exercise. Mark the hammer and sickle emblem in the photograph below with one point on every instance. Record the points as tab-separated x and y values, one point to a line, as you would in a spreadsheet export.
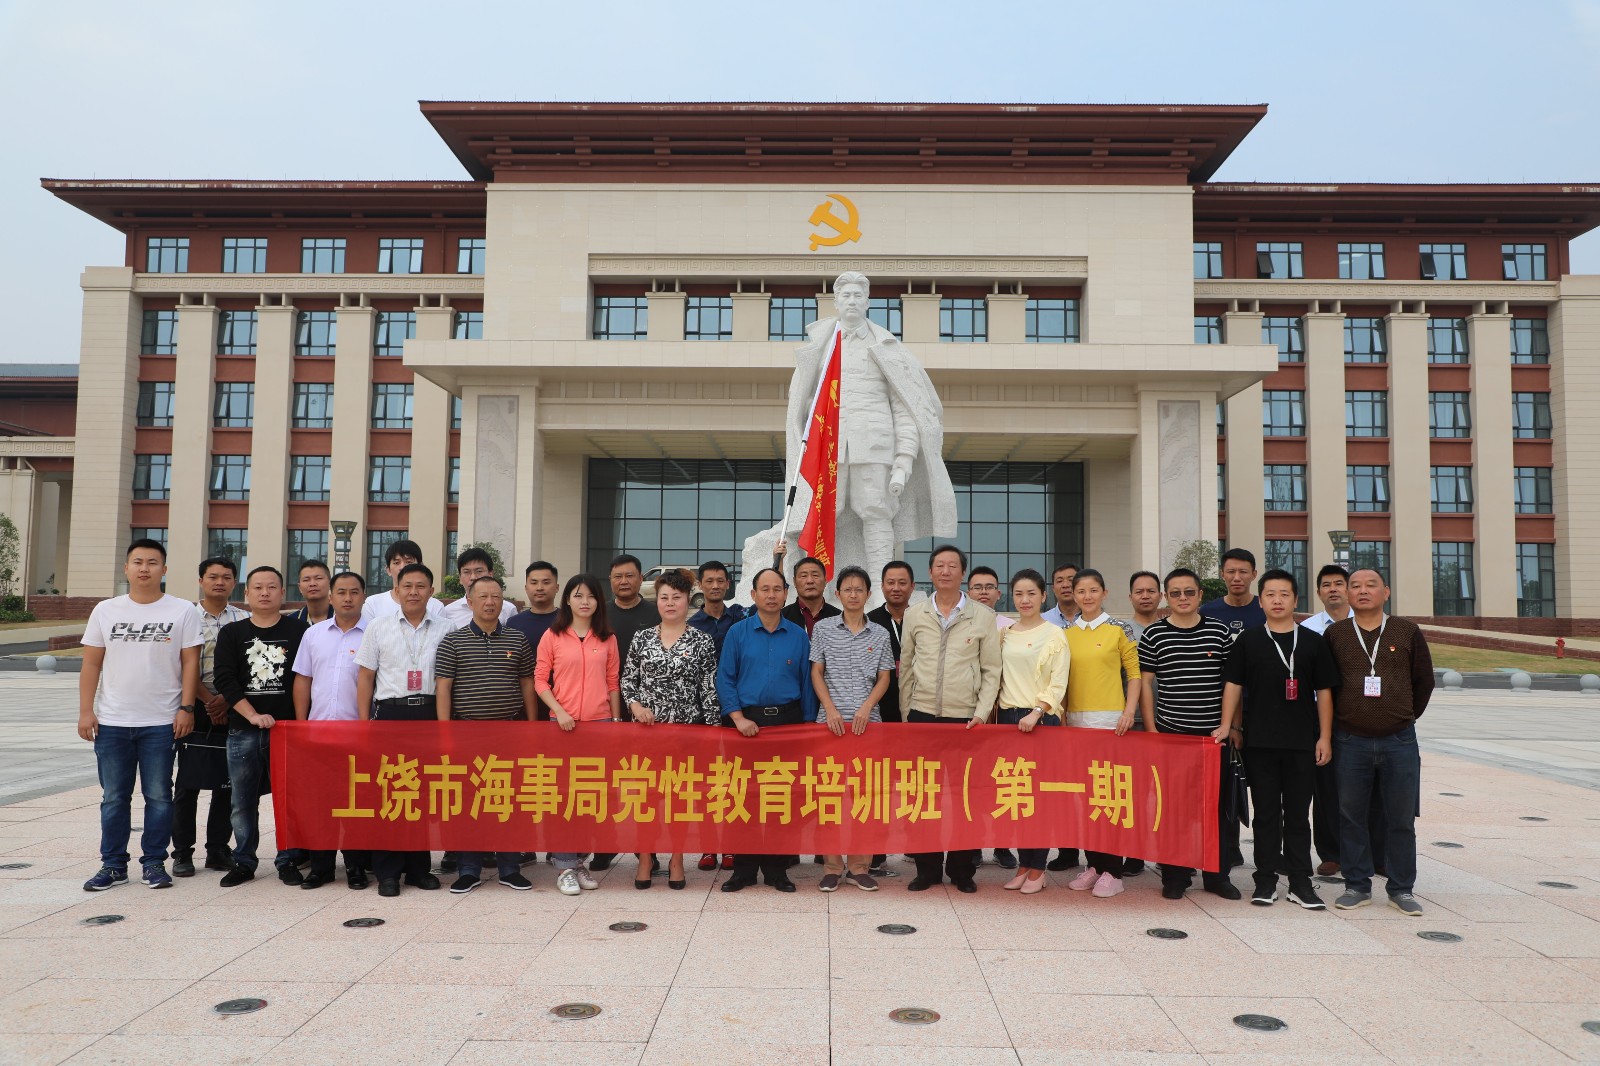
845	229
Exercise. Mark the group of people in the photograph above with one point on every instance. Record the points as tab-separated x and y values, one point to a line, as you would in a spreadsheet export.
1316	715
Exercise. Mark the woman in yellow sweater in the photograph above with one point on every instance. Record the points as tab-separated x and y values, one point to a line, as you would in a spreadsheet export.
1102	656
1033	684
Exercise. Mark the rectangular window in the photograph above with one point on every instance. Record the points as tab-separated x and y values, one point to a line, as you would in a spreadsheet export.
1207	259
378	540
470	253
1371	554
1052	321
1452	489
391	330
1454	589
230	477
155	533
708	318
391	406
1222	487
1534	491
1280	259
1361	262
391	479
1288	333
1536	580
236	333
1444	262
1367	489
467	326
1289	555
304	546
231	544
156	400
1283	413
963	319
234	405
1284	487
159	333
454	492
1447	340
1449	415
455	412
310	477
322	255
1530	341
167	255
1522	262
399	255
886	312
1530	415
244	255
1222	420
316	332
152	477
1365	341
788	316
1208	329
1366	413
313	405
621	318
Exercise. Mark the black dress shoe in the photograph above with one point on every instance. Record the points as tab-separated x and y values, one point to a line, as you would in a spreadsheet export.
919	884
677	886
219	862
182	867
291	875
426	882
1064	860
734	884
316	880
1133	868
388	887
601	861
968	887
236	876
1224	888
356	879
782	884
1171	891
448	864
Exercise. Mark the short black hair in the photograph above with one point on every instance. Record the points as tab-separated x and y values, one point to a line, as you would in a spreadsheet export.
623	560
401	547
1182	571
1089	574
215	560
1244	555
153	545
853	571
413	568
1381	575
1137	574
812	560
341	575
486	577
711	566
1278	574
540	564
1064	566
318	563
273	570
961	556
977	570
768	570
475	555
1332	569
897	564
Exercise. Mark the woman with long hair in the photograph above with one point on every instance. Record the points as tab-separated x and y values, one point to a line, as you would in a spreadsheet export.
576	676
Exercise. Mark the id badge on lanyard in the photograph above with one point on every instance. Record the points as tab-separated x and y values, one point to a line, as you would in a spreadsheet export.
1372	685
413	680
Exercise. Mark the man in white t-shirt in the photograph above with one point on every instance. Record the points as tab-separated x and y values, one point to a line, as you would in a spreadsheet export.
141	655
396	557
470	566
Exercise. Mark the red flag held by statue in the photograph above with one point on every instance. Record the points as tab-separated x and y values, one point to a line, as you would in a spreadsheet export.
819	461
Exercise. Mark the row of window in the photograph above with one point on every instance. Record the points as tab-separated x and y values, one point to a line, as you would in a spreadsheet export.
962	319
1367	489
1365	261
1366	339
318	255
233	405
310	478
316	332
1366	414
300	546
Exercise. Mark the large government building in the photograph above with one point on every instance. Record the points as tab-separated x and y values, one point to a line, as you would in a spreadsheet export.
585	347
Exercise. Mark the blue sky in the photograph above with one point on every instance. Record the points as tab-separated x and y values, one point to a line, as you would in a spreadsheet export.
1428	92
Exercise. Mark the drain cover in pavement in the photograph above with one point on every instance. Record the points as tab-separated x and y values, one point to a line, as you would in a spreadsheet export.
103	919
1557	884
895	929
1456	794
574	1012
1167	934
1446	844
1440	938
1532	818
1592	1027
239	1006
913	1016
363	923
17	866
627	927
1260	1023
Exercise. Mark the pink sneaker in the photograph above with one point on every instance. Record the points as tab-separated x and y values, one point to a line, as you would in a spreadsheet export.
1084	881
1107	885
1016	882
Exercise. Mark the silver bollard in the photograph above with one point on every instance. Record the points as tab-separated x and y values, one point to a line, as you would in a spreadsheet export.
1521	682
1589	682
1452	680
45	664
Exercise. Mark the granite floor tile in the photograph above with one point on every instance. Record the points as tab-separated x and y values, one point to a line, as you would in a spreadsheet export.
1055	1056
701	1052
628	1014
1439	1031
1531	980
938	929
290	1004
342	961
41	1049
966	1019
77	1005
1322	934
1575	939
444	963
1559	1025
1478	941
778	1017
315	1049
721	965
397	1012
119	1050
549	1053
945	1055
1089	1023
180	958
531	929
1207	1023
606	962
870	968
1105	971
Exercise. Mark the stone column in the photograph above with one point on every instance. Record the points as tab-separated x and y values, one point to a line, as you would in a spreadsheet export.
1247	523
352	419
1008	317
750	317
1410	479
666	315
269	439
194	394
1574	398
430	449
63	533
1327	496
920	317
1494	505
493	434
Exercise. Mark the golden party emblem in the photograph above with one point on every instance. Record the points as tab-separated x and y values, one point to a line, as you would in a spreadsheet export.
844	229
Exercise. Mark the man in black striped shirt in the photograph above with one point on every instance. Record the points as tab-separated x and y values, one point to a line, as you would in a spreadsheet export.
1186	651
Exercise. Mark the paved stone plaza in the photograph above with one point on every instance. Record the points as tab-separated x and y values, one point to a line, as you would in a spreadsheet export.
805	978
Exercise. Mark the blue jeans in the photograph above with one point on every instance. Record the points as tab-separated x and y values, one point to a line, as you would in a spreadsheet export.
119	751
471	862
250	771
1392	767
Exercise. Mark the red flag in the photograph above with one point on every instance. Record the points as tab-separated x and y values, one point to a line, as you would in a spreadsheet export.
819	462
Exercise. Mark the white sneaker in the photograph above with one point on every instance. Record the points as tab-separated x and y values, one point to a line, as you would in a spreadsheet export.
1107	885
585	880
1085	880
567	882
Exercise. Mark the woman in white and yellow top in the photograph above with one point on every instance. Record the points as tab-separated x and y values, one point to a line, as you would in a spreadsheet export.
1033	686
1098	698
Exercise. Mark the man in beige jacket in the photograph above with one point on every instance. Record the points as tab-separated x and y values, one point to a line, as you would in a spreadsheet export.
949	672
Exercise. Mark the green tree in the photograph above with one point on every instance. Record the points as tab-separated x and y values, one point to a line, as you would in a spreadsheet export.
452	582
10	555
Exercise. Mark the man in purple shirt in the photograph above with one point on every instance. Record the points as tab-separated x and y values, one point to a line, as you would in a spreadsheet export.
325	691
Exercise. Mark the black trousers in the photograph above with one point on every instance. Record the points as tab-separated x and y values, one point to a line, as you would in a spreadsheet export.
393	865
1104	862
219	821
1228	837
322	861
935	866
1325	814
771	867
1281	785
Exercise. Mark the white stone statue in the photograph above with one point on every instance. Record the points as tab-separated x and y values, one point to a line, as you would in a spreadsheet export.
893	486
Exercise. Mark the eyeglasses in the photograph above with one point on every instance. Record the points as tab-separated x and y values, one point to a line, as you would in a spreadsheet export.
1182	594
984	588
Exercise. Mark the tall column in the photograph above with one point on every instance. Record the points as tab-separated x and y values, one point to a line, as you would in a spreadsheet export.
1489	341
191	440
352	419
430	448
920	317
1008	317
534	500
108	393
63	533
494	436
1574	398
1247	522
1328	501
666	315
1410	485
269	437
750	316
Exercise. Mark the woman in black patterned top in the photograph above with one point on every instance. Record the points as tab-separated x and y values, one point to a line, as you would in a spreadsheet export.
670	676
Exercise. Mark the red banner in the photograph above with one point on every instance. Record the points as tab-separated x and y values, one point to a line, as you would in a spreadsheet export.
819	463
520	786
